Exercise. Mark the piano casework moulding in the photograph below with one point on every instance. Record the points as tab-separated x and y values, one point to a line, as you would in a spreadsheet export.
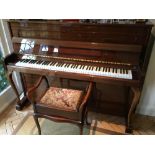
113	55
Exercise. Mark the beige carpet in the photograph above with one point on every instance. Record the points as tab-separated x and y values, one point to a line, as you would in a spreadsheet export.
28	127
106	126
100	125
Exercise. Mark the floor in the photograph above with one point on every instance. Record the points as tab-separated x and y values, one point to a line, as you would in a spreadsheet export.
101	124
10	119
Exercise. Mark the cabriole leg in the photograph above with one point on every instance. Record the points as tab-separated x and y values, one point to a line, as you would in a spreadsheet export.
135	100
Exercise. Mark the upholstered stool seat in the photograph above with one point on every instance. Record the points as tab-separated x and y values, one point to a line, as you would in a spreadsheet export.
63	99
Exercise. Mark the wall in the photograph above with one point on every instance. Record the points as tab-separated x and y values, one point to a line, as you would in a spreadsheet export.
147	100
8	95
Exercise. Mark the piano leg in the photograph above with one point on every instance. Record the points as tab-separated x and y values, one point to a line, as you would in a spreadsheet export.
20	102
135	101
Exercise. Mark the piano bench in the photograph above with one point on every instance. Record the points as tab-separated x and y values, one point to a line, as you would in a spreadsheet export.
60	104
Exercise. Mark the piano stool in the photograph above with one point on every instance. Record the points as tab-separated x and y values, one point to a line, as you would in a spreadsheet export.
60	104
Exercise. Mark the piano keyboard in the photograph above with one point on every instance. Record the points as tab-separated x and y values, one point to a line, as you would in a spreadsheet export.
76	68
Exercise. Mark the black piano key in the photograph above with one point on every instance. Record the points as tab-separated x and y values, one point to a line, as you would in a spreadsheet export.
34	61
47	62
53	63
21	60
25	60
115	70
38	62
66	65
120	71
72	65
58	64
62	64
75	66
43	63
30	61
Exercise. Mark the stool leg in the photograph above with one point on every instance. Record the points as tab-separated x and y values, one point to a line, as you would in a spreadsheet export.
81	128
37	123
87	123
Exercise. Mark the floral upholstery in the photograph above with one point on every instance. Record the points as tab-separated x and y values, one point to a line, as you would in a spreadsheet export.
61	98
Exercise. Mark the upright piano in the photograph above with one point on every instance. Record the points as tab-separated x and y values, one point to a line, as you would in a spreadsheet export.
112	55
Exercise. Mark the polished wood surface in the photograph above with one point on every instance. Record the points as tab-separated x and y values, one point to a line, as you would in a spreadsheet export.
104	45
